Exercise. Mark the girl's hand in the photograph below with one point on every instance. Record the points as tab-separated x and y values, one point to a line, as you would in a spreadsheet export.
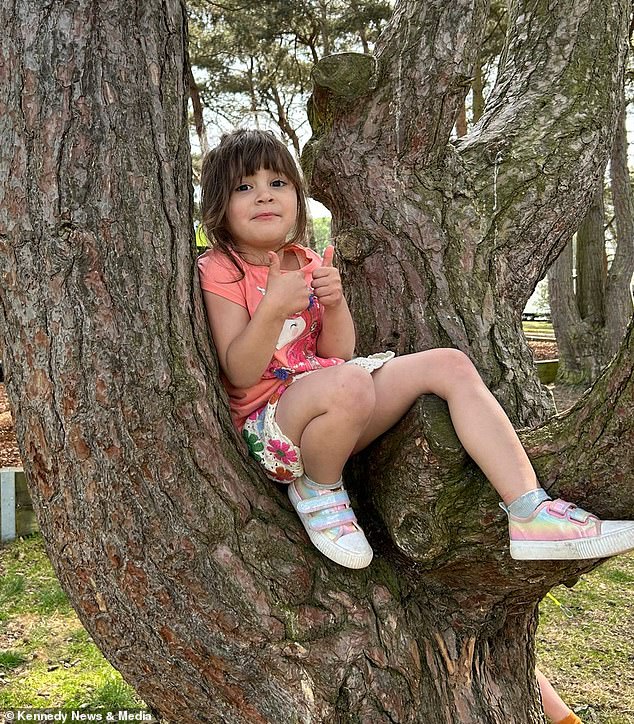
327	282
288	294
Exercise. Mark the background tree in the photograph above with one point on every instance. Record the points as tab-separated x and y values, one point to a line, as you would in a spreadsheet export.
257	64
484	66
189	568
591	297
591	300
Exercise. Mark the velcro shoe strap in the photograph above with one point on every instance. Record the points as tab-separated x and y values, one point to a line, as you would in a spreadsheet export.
580	515
559	507
325	520
323	502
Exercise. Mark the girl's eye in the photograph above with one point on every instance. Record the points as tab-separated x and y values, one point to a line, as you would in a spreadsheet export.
278	183
242	187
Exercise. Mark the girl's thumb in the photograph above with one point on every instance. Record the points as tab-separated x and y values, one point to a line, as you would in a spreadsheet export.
328	255
274	266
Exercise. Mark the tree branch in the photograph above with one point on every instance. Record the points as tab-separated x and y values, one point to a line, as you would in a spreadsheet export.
541	146
426	56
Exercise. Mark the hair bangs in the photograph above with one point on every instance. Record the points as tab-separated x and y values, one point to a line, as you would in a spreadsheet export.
254	151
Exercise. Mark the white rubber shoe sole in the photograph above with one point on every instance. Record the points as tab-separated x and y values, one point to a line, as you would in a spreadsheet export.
617	537
351	550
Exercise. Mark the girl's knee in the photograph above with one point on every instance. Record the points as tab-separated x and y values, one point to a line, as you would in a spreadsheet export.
449	370
353	390
458	365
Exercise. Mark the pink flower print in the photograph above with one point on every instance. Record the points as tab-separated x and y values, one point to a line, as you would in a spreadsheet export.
282	451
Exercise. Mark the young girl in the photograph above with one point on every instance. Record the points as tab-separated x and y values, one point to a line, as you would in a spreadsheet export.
285	341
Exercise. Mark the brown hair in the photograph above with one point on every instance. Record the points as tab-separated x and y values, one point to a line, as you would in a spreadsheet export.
240	154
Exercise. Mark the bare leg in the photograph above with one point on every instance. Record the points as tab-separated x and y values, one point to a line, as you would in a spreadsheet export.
324	413
480	422
337	411
554	707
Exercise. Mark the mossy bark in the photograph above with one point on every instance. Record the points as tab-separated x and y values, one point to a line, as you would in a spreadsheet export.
188	568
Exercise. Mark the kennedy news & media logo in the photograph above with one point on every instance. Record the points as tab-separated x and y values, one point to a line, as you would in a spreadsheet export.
65	716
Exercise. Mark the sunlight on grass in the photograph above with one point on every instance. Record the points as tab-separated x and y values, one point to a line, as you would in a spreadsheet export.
588	655
538	328
52	660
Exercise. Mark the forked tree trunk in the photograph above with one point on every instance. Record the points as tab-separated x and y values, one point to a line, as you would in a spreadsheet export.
577	299
618	293
188	568
591	311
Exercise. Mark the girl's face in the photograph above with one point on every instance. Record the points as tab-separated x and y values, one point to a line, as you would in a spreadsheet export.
262	210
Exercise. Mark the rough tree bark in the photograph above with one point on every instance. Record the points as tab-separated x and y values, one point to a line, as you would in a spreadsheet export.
189	568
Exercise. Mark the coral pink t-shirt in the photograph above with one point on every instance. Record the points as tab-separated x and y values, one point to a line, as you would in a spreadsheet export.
296	348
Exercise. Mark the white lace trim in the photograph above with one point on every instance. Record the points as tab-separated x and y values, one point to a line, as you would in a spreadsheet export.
373	361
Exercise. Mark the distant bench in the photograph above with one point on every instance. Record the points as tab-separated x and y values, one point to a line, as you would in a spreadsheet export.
16	510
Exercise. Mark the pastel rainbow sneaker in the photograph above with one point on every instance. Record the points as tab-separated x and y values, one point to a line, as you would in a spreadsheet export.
331	523
557	530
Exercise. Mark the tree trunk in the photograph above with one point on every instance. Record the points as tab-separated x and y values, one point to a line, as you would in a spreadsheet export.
591	262
185	564
461	121
578	305
567	322
477	88
618	295
591	316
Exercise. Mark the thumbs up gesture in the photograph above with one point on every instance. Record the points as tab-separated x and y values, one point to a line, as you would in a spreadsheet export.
327	282
287	293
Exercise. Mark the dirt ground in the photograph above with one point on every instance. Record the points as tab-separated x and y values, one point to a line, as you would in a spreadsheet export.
9	456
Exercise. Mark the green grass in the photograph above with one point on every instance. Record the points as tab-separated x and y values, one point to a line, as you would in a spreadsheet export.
39	593
586	646
538	328
47	659
11	660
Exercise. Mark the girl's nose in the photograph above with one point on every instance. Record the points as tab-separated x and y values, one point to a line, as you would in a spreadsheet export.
264	195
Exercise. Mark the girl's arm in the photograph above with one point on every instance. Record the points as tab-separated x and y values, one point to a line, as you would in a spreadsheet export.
245	344
337	336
